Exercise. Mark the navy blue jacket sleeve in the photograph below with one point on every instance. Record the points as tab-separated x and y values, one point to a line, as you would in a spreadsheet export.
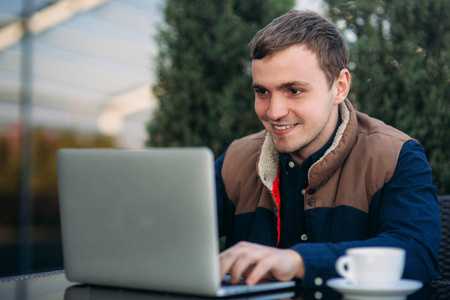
407	215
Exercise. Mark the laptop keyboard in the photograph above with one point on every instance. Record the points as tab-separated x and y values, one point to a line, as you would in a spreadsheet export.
227	278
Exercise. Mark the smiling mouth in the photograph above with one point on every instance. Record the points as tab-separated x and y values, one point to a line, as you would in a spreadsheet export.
283	127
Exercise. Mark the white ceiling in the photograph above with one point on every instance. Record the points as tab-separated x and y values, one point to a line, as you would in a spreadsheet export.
94	67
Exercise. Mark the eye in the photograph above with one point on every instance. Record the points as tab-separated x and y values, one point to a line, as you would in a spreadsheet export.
295	91
261	91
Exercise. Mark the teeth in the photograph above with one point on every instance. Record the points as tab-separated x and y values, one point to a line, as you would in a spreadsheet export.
283	127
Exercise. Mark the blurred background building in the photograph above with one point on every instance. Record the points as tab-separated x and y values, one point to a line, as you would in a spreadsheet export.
73	73
90	65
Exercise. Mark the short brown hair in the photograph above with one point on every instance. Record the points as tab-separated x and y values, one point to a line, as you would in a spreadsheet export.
307	28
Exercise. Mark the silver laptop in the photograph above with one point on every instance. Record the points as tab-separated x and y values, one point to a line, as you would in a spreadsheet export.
143	219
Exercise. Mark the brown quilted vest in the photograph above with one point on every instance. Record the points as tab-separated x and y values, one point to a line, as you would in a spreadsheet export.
362	158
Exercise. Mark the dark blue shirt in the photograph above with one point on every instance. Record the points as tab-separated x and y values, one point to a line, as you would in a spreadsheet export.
293	185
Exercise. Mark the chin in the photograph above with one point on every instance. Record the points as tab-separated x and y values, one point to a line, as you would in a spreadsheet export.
285	148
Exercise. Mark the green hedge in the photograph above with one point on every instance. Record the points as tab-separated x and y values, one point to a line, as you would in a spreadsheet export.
203	71
400	68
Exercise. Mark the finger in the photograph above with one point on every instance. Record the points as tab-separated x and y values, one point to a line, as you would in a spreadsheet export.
242	266
228	258
251	258
282	264
261	270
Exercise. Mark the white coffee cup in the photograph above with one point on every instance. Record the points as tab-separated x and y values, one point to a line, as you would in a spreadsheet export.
372	266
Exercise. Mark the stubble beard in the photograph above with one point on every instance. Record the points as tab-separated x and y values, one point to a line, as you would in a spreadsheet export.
290	146
299	142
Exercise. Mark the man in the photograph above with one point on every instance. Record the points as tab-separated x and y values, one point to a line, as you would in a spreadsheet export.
322	177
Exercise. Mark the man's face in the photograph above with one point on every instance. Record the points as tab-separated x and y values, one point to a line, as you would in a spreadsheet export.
293	100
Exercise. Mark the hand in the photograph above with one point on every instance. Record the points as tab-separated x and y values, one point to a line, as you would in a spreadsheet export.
256	262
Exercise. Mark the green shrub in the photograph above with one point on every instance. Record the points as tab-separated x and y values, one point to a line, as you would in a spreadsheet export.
400	69
203	71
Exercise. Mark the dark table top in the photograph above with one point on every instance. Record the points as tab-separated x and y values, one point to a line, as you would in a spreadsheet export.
54	286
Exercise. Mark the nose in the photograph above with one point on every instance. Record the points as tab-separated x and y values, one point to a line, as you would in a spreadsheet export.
277	108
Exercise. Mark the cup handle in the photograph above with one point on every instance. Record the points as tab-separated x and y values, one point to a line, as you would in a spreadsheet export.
343	266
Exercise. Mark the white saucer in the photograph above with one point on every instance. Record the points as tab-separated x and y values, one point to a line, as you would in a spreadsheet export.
402	289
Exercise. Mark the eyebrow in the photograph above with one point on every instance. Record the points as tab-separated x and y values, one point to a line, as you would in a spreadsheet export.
257	86
291	84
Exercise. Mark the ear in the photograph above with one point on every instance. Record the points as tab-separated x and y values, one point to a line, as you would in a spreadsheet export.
342	84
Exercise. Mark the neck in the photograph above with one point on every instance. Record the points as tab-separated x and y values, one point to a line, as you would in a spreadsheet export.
300	155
